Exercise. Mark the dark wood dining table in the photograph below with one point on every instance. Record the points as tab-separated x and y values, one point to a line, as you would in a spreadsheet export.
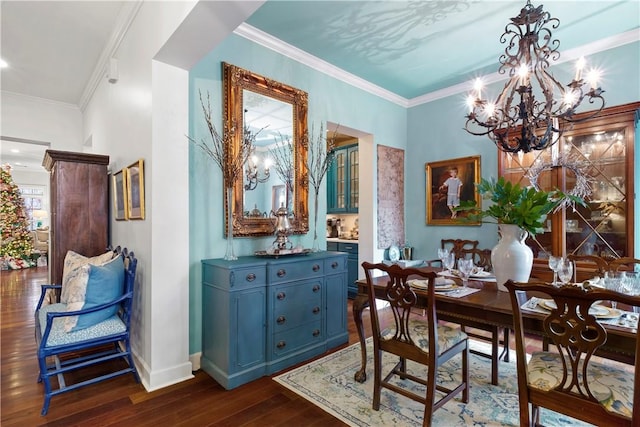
488	306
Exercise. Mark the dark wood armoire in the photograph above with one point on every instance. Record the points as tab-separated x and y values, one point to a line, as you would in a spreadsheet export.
79	191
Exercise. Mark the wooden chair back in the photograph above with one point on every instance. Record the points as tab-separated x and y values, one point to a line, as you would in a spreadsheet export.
458	245
405	338
567	379
625	264
480	257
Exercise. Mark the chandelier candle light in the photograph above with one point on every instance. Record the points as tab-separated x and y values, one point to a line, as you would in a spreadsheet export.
517	121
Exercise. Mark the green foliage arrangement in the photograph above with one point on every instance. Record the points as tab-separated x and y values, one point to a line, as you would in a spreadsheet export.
525	207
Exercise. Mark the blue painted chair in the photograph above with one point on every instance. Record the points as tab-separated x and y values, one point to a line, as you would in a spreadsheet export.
92	340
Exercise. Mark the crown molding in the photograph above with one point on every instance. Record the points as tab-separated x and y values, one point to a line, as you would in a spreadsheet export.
568	55
125	18
37	99
264	39
267	40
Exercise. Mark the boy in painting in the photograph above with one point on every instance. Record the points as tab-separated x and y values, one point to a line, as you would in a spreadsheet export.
453	185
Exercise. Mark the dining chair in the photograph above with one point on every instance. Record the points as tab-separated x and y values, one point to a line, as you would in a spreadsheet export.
494	335
624	264
568	379
593	264
409	337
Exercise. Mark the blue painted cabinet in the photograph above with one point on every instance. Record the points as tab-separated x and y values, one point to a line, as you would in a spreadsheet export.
343	181
352	266
262	315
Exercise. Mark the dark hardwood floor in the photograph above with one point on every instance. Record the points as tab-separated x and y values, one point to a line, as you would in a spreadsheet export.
121	401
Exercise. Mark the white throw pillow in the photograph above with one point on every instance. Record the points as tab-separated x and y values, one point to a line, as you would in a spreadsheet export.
74	283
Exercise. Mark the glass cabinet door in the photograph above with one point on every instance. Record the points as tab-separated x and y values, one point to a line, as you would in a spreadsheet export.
600	152
341	180
354	184
601	228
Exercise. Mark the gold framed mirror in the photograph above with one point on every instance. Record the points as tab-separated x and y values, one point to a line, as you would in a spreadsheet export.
266	105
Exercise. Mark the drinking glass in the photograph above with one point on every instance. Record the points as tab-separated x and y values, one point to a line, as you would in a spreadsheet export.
450	261
442	254
554	261
465	267
565	270
613	282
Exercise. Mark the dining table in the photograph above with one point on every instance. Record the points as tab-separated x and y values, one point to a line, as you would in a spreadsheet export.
486	305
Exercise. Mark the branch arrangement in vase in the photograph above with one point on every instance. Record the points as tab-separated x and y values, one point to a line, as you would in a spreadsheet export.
525	207
221	149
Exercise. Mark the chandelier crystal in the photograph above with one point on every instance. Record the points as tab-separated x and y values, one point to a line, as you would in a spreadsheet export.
516	121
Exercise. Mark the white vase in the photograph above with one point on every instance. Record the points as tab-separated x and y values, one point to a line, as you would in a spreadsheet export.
511	258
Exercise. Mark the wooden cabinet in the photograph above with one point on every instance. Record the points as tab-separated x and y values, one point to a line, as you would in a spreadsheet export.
600	151
262	315
79	191
343	181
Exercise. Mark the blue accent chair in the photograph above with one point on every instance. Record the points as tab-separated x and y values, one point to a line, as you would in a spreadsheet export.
60	352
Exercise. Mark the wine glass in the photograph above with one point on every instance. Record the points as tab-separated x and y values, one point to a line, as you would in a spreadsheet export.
565	270
465	267
442	254
450	261
613	282
554	261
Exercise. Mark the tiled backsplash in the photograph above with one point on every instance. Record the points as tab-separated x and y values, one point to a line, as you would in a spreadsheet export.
348	223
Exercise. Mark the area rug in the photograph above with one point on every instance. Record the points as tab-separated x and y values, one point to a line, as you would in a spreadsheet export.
329	384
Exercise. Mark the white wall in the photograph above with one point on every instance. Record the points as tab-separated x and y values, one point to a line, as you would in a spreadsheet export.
41	120
122	121
145	115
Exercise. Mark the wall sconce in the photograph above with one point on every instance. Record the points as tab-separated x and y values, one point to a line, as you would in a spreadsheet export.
251	173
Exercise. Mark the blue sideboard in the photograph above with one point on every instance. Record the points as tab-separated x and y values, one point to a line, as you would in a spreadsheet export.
262	315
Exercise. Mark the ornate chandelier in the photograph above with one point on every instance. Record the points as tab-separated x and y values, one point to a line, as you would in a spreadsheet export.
517	121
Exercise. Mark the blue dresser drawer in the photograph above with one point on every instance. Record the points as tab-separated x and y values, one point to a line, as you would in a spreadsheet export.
297	338
279	272
234	279
296	304
335	264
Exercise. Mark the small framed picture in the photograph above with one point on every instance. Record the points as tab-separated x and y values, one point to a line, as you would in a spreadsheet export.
448	183
135	190
119	180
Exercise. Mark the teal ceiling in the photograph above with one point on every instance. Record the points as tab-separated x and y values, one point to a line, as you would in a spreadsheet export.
413	48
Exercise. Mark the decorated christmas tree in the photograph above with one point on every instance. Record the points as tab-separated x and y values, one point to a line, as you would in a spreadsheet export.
14	225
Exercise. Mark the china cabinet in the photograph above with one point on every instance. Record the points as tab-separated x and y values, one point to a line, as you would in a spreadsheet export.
262	315
343	181
597	153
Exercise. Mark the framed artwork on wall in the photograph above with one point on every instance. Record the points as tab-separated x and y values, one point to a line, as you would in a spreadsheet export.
448	183
119	189
135	190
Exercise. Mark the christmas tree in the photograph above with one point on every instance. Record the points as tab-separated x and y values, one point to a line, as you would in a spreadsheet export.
14	225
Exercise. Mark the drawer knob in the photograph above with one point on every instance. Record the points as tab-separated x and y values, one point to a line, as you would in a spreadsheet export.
281	295
316	310
280	320
281	344
316	288
282	272
251	277
316	267
316	332
334	265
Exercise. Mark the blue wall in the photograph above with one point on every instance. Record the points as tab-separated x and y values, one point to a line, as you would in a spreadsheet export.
428	132
329	100
435	132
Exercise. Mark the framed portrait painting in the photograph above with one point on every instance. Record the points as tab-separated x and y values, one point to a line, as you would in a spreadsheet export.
119	189
135	187
448	183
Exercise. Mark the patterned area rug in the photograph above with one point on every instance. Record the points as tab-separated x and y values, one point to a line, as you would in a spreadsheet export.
329	384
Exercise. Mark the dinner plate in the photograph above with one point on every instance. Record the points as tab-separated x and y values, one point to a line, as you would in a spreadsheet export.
439	287
599	311
482	275
394	253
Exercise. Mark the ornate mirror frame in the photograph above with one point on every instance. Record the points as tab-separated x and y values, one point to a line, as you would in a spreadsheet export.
235	80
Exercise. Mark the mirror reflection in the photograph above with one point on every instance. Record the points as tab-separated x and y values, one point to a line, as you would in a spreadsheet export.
274	176
268	175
